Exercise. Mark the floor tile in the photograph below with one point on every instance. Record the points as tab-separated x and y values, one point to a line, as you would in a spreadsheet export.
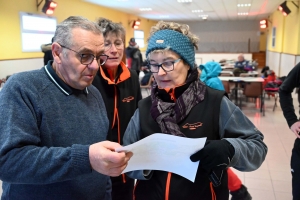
280	175
258	184
261	194
282	186
259	174
283	196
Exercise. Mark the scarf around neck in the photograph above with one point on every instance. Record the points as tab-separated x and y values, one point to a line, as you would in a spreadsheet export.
169	114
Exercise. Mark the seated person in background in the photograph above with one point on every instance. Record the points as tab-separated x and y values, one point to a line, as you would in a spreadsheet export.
240	65
270	83
265	71
271	76
209	75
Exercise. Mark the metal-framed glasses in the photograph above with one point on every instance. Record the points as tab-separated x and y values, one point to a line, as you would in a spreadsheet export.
87	58
118	44
166	66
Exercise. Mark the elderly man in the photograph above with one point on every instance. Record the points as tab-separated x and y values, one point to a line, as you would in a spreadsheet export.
53	123
240	65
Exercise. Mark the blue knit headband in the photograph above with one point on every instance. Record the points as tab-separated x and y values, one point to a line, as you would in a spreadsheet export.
176	42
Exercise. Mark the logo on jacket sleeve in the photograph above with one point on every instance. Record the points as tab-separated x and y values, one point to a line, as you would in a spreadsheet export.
192	126
128	99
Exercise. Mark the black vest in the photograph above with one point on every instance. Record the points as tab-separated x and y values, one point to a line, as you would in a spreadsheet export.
202	121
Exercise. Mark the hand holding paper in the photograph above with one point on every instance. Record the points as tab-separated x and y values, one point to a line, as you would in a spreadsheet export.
164	152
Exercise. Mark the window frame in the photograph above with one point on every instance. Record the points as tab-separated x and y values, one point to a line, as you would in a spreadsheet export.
34	32
139	38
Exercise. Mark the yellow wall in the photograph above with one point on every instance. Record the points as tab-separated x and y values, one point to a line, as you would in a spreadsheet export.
10	34
292	27
263	40
287	33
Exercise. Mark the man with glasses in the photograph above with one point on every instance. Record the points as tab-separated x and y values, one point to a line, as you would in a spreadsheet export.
54	124
120	90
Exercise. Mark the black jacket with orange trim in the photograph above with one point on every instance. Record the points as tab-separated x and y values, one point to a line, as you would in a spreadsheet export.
220	119
121	99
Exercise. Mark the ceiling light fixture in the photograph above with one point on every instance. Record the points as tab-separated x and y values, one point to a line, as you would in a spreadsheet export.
197	11
184	1
136	24
263	23
244	5
284	9
48	7
243	13
203	16
145	9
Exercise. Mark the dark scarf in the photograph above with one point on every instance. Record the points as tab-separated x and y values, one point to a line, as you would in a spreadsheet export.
169	114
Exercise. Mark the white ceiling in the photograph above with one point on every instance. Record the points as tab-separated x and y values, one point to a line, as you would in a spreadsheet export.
220	10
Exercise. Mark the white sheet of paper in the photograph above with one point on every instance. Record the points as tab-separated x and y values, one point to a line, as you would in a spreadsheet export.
166	153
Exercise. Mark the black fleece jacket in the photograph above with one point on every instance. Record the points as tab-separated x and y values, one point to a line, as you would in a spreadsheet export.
285	94
121	98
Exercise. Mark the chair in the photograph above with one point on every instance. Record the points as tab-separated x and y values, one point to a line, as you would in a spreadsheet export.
271	88
255	90
227	87
148	86
275	95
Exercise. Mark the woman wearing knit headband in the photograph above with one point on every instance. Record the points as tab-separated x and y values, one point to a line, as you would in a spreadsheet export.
178	98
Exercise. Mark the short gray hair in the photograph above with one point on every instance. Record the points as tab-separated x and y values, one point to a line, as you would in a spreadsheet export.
63	33
110	27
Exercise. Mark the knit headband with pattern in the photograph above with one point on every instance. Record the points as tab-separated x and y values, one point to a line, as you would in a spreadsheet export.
176	42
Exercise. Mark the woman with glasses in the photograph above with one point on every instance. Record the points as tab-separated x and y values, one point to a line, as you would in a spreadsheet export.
120	90
179	100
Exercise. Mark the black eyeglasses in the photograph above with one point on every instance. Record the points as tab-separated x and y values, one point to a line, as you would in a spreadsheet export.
166	66
86	58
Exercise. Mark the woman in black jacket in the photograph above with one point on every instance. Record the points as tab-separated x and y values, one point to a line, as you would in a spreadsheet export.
120	90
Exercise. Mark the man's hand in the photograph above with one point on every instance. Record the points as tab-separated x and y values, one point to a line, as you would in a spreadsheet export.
295	128
105	160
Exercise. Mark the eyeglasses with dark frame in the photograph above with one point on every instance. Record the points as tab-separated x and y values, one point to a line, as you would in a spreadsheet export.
166	66
86	58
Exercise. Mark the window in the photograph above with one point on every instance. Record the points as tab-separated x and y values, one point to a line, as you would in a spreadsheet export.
139	38
36	30
273	36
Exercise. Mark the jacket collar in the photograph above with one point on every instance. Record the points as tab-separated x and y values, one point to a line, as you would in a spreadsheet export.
123	74
64	88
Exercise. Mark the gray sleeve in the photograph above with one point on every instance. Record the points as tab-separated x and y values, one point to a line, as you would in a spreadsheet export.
247	140
132	135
